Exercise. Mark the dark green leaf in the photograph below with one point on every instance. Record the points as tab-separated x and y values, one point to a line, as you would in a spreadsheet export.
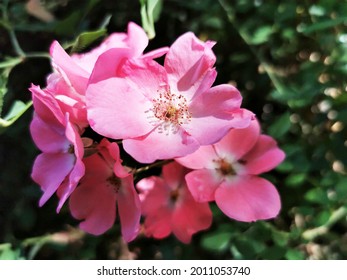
281	126
87	38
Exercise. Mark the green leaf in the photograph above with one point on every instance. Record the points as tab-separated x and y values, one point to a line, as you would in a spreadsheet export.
18	108
293	254
317	195
261	35
281	126
341	189
150	12
87	38
216	241
319	26
273	253
68	25
295	180
8	253
322	218
280	237
248	248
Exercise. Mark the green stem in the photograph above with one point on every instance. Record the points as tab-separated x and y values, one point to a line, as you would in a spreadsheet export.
11	32
336	216
15	43
37	55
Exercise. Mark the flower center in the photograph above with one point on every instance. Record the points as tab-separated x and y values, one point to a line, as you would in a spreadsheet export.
174	194
71	149
225	168
114	183
171	108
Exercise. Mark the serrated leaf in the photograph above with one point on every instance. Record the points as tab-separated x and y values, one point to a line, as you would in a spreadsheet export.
87	38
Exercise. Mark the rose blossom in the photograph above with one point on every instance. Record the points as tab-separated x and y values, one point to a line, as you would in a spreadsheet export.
169	207
227	172
165	112
60	163
71	74
106	186
60	112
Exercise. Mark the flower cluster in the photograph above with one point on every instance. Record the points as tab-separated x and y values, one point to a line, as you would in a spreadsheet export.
209	147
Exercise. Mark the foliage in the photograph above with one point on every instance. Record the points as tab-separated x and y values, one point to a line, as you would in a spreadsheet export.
288	59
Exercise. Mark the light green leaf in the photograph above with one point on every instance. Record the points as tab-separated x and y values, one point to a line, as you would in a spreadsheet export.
281	238
317	195
150	12
216	241
261	35
18	108
293	254
8	253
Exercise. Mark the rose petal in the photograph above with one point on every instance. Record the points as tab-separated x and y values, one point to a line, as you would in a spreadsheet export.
46	138
153	194
158	224
220	100
137	39
109	64
248	199
187	61
238	142
207	130
46	107
129	209
117	111
95	203
160	144
173	174
190	217
264	156
50	170
202	184
201	158
67	67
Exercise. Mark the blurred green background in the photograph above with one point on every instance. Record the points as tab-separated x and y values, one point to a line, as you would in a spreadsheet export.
288	59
